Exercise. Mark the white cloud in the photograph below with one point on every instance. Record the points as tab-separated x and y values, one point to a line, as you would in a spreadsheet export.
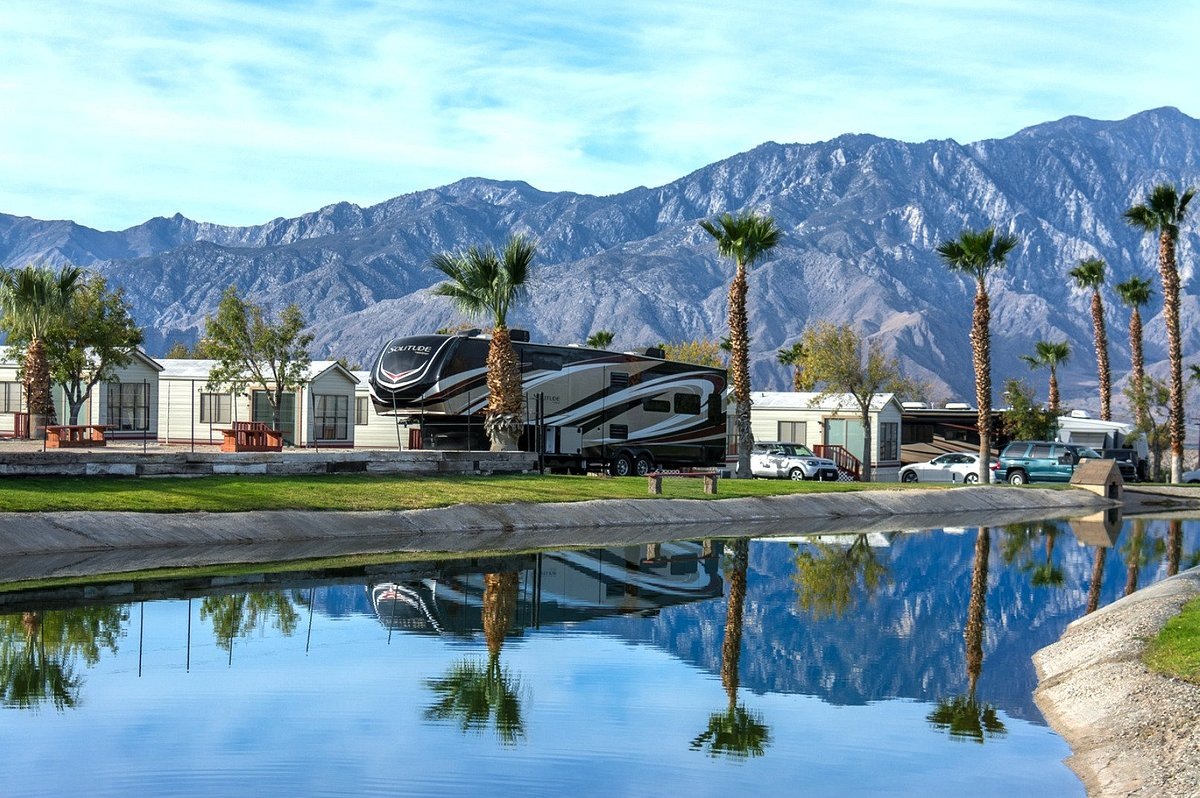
236	112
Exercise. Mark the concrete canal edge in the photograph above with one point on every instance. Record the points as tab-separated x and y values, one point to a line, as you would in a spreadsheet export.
1132	731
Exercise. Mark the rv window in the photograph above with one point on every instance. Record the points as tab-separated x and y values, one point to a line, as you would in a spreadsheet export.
544	361
656	405
688	403
618	379
618	432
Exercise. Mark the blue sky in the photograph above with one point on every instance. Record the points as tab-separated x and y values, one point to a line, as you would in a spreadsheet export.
238	111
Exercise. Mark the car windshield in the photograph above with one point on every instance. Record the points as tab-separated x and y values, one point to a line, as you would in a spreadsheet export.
1090	454
795	450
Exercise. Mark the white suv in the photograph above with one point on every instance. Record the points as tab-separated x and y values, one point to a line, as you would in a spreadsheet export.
790	461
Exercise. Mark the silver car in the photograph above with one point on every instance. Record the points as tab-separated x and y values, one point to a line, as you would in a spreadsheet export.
962	467
781	460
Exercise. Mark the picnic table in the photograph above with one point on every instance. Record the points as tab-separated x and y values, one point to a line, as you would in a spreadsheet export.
251	436
64	436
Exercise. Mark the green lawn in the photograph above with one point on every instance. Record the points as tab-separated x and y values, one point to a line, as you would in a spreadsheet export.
1177	649
361	492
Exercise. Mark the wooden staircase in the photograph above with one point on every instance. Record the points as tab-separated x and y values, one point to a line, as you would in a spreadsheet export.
847	463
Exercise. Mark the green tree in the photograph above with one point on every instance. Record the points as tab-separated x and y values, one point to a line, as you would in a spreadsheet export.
1155	397
601	339
1089	274
178	351
1025	419
975	254
744	239
796	357
1049	354
699	351
240	614
1162	212
829	577
253	351
1136	292
484	283
32	300
93	337
841	362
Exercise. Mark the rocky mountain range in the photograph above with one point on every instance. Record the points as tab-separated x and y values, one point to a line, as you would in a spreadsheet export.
861	216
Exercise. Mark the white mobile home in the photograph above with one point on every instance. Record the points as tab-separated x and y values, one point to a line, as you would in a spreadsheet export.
318	414
832	421
371	429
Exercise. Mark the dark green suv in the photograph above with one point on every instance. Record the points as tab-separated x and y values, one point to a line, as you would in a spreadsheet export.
1040	461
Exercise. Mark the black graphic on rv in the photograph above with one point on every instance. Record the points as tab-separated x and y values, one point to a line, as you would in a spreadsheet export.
630	412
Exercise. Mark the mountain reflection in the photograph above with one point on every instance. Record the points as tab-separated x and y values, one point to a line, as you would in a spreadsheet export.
830	575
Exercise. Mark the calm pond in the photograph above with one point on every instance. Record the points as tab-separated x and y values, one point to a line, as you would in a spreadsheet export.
894	663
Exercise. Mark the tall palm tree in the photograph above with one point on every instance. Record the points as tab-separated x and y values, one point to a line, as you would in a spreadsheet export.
744	238
1049	354
1136	292
32	298
485	283
975	253
1090	274
794	356
1163	212
600	339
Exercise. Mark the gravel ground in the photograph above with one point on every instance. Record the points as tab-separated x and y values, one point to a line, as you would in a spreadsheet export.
1133	732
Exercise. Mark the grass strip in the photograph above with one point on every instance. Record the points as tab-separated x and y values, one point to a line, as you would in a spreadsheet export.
362	492
1176	650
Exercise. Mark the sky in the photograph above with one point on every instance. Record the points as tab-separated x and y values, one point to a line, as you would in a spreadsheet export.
240	111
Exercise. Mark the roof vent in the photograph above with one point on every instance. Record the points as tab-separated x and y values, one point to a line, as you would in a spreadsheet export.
957	406
469	333
655	351
519	335
1079	414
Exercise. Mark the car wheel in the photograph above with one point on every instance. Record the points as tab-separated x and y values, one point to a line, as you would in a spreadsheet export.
971	479
622	466
1017	478
643	465
909	476
796	475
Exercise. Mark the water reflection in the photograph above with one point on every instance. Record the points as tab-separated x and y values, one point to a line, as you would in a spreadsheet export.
965	716
737	732
830	575
241	614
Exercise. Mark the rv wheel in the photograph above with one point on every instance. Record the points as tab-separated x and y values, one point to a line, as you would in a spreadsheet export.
622	466
643	465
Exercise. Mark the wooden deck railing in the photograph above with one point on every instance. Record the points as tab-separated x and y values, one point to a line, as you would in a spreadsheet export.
841	457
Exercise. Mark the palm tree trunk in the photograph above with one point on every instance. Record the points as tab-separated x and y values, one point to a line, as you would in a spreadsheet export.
1097	580
731	645
499	607
1170	285
1054	390
1103	373
503	423
973	632
1174	545
37	387
739	362
981	353
1141	412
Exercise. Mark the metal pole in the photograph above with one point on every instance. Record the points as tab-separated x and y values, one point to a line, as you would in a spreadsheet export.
141	634
187	666
312	595
146	398
193	423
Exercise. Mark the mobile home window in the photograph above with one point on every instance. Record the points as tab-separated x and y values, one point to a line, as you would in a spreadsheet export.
216	408
888	432
362	411
793	431
331	417
687	403
129	406
10	397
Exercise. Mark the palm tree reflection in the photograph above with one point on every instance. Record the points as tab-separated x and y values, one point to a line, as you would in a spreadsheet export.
1139	552
966	717
737	731
477	695
39	653
828	576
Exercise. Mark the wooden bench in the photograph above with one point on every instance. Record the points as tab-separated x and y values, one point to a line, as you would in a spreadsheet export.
655	480
66	436
251	436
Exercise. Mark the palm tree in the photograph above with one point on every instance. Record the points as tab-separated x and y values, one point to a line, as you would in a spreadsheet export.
736	732
1050	355
794	356
744	238
1097	580
601	339
485	283
32	298
1163	212
1136	292
1090	274
975	253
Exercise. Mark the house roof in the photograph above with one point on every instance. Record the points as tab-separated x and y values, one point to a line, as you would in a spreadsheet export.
185	369
811	400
